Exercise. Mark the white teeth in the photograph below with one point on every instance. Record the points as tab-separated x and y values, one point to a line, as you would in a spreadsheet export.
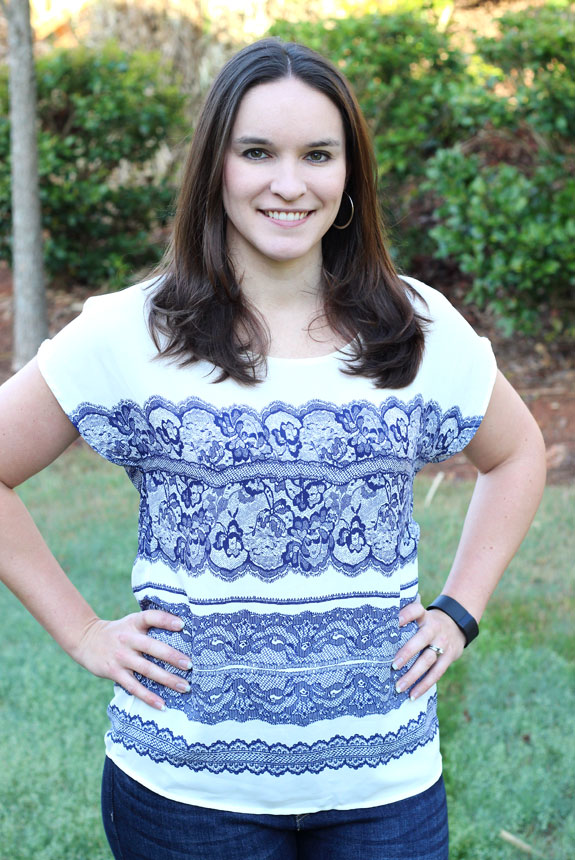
286	216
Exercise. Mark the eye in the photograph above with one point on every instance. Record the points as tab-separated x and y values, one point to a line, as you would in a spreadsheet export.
255	154
318	157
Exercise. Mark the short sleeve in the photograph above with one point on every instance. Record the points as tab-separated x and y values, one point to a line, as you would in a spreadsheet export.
71	361
89	367
456	378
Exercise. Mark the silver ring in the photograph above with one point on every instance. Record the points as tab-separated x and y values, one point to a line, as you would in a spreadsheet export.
437	649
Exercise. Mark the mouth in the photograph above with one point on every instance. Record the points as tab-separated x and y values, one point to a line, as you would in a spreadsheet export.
284	216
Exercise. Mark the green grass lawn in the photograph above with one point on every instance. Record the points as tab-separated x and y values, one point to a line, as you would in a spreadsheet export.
505	709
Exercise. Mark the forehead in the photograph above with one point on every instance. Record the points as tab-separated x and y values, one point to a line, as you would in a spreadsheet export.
288	107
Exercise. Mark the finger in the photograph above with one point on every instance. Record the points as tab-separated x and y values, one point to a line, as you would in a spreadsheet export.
426	661
131	645
158	618
414	646
148	669
430	679
411	612
131	657
160	650
131	685
167	654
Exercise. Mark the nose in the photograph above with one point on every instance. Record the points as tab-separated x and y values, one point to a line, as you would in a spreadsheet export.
288	182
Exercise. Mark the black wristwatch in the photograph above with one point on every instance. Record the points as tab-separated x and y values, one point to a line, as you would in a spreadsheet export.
466	622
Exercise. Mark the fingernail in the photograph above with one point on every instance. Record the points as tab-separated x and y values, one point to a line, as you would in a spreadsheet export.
401	621
183	687
399	687
178	624
412	697
185	664
397	664
161	706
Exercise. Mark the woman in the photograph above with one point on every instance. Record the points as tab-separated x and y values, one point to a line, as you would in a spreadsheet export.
271	393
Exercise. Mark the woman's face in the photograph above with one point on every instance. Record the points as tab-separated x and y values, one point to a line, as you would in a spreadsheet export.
284	174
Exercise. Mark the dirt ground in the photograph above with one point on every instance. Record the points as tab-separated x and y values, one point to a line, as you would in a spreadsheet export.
543	374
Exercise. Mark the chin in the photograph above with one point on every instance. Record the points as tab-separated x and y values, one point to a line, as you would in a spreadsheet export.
286	255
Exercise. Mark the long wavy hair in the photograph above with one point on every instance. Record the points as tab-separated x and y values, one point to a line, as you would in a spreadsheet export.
197	309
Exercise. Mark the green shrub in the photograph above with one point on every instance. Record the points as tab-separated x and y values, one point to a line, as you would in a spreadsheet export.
506	219
103	116
514	233
412	83
418	95
536	50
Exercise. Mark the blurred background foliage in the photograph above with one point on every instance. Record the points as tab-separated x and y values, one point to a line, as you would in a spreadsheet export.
474	137
476	150
104	116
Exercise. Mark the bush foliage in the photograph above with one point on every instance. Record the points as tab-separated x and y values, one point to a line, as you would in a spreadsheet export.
501	209
514	234
475	152
103	116
536	53
507	216
409	79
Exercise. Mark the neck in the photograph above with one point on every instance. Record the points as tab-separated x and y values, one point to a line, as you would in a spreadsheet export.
272	285
286	295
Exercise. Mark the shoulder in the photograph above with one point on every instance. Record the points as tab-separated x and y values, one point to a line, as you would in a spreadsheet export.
97	354
125	309
428	301
111	323
446	329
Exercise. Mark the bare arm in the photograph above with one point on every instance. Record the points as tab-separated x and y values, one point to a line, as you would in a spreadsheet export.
509	452
34	431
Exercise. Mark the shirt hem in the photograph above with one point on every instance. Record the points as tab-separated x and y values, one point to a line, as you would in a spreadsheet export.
377	801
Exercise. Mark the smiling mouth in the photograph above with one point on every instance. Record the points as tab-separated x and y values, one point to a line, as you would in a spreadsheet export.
276	215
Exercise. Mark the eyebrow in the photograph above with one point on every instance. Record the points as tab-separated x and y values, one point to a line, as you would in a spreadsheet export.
262	141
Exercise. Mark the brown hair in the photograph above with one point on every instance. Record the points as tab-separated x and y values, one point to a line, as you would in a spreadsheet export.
197	302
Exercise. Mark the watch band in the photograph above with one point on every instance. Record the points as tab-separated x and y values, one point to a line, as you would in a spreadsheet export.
466	622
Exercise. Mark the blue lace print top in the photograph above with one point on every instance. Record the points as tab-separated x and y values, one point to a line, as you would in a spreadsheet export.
277	522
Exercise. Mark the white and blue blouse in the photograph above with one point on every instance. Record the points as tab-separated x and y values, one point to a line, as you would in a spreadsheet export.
276	522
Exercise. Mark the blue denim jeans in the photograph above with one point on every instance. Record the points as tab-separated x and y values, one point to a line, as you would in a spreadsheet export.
143	825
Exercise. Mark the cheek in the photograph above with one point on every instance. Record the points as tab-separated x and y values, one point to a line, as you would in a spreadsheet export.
337	185
238	184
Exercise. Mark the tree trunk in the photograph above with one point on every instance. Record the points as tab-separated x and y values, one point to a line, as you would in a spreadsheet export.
30	319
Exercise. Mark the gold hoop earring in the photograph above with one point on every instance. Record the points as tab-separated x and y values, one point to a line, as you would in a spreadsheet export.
348	222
